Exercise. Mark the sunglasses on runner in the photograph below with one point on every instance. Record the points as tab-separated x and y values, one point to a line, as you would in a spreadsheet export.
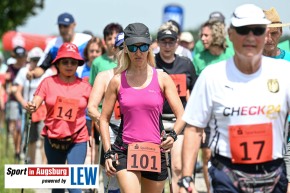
244	30
142	48
66	62
64	26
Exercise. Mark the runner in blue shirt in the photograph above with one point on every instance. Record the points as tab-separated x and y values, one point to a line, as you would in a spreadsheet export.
66	25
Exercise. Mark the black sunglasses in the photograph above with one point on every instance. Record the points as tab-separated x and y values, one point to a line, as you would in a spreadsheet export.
64	26
142	48
244	30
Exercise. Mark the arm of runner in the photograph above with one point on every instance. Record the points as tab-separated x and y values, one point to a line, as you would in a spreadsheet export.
170	92
96	96
34	104
36	73
108	106
19	97
187	94
190	148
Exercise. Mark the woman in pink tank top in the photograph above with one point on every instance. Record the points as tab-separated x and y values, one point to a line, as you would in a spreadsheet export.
136	157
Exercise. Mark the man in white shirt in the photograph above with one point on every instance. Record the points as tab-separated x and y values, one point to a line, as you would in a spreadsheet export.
245	100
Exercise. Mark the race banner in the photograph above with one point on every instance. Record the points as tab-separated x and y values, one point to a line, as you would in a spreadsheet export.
51	176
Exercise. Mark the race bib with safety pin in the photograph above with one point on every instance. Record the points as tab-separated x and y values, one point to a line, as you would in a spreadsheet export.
251	144
180	83
66	109
144	157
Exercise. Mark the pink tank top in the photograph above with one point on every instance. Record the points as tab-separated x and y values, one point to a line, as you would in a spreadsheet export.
141	109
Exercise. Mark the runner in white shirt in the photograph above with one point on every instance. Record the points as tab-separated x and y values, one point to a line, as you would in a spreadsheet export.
24	93
245	100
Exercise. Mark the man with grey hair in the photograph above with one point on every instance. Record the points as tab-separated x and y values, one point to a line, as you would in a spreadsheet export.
247	143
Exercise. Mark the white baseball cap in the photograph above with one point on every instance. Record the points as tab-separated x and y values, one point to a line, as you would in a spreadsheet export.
11	61
35	52
248	14
186	36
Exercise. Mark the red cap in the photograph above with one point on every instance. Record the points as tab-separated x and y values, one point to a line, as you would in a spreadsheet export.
69	50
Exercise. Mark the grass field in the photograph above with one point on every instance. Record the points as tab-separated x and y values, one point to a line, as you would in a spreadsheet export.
7	157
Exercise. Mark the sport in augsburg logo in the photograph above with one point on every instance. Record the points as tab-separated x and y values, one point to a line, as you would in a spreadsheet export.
273	85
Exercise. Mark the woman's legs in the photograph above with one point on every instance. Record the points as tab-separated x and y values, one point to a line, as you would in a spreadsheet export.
129	181
176	162
151	186
77	155
54	157
206	153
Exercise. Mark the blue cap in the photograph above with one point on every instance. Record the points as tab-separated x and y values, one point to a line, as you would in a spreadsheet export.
119	39
65	19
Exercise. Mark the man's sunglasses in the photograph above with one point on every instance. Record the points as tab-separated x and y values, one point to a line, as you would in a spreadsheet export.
244	30
62	26
142	48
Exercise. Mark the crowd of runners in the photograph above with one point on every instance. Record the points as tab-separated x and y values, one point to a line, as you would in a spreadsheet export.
146	107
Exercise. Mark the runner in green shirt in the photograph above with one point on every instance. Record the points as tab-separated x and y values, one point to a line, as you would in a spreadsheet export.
218	16
213	37
108	60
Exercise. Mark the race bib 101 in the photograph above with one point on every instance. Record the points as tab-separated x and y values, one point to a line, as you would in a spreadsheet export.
144	157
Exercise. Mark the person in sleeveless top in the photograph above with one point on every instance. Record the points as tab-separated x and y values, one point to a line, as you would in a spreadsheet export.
96	97
137	157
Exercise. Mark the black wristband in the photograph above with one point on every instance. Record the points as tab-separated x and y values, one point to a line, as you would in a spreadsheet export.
108	154
173	135
184	182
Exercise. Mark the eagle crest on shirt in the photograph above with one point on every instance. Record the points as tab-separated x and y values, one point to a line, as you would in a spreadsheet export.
273	85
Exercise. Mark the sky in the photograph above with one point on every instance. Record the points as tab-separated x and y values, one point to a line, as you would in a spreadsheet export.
94	15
